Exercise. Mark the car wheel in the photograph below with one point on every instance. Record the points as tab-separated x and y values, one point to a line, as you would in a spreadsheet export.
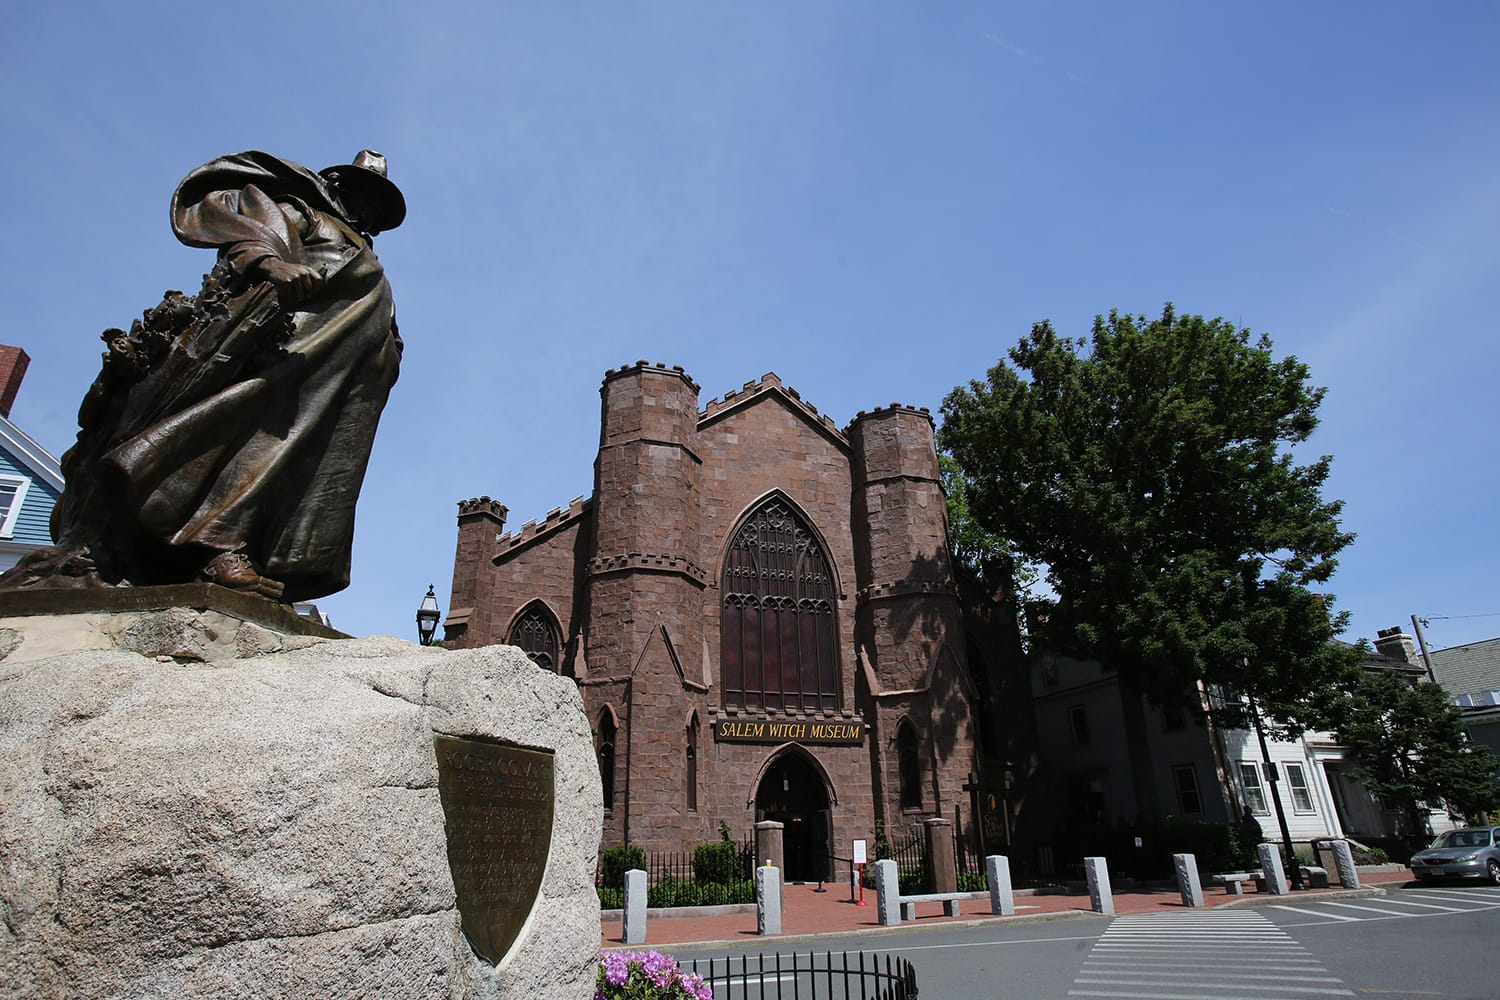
1493	868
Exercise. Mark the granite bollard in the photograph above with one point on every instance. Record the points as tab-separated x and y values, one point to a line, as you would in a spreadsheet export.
1002	897
1100	897
767	900
635	906
1187	879
1343	860
1270	865
887	892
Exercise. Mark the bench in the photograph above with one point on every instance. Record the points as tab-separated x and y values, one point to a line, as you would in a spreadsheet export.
1316	878
1233	882
948	899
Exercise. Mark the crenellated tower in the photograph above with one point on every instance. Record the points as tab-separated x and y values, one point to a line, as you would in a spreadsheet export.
480	522
908	624
644	583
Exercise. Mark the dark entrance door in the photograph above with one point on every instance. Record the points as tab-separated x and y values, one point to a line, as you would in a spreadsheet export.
792	794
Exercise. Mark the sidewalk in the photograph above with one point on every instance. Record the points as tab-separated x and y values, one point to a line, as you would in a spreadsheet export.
809	914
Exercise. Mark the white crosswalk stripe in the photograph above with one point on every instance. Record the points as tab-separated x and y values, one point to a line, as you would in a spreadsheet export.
1396	906
1217	955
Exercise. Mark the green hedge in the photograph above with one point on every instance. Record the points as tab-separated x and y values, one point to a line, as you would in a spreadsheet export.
685	894
616	861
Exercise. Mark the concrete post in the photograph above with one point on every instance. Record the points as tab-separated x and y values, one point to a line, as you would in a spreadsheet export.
1343	860
767	900
940	854
1270	866
887	892
635	906
1100	898
1187	879
1002	898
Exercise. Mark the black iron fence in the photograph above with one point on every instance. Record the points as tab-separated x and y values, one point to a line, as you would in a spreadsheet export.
860	976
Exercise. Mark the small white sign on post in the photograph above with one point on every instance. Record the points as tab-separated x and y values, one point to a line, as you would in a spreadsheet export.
859	852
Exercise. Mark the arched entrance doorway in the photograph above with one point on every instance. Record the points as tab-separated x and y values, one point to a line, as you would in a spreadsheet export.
792	793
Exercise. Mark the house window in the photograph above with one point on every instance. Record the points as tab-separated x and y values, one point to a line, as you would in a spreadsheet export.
1296	779
1255	792
1078	720
910	766
1185	778
12	495
692	765
1171	719
777	642
607	757
535	631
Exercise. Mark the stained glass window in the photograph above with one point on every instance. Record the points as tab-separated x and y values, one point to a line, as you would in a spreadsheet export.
535	631
777	641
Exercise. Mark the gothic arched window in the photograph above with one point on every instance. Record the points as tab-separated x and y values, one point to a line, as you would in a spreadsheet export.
910	766
607	757
535	631
692	764
778	641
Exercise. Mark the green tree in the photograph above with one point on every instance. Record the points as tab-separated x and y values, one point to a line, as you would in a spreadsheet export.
1147	471
1408	745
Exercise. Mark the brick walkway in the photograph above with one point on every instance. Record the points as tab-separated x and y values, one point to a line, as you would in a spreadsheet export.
808	913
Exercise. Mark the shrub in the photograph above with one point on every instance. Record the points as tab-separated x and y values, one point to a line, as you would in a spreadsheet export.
616	861
720	862
973	882
611	899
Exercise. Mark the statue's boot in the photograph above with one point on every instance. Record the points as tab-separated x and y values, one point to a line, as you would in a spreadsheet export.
235	571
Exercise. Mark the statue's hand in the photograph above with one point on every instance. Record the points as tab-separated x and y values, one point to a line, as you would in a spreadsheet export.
294	282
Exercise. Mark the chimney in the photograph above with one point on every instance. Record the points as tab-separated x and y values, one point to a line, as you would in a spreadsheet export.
13	362
1396	644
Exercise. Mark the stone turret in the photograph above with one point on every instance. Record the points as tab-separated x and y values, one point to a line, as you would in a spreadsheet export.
645	579
907	617
480	522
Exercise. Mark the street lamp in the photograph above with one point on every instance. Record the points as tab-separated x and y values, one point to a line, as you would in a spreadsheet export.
427	617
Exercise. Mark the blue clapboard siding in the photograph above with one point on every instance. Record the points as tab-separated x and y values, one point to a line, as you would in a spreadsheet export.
31	526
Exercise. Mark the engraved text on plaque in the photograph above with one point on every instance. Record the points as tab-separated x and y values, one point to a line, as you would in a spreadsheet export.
497	810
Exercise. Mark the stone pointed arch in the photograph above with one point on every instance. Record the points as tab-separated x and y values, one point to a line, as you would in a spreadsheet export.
805	756
778	636
537	630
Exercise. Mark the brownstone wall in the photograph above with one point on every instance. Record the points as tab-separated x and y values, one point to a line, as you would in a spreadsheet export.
633	575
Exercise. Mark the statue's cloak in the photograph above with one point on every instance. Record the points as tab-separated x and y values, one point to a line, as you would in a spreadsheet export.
270	463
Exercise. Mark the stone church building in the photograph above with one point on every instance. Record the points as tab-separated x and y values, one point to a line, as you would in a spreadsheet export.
758	608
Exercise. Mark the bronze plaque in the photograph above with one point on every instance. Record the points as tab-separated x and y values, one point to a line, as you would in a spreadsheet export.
838	734
497	812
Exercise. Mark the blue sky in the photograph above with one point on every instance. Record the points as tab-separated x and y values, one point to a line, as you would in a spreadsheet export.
873	200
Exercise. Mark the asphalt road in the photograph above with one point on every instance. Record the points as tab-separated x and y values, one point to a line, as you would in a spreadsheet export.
1418	943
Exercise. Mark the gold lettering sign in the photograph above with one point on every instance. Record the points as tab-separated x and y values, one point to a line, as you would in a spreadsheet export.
497	814
789	731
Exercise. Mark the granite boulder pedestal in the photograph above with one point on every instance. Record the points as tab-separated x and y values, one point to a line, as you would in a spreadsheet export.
226	809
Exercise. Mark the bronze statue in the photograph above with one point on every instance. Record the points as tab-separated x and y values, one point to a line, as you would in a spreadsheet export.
226	436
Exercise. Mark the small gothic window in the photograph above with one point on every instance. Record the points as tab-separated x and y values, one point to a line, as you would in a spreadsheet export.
692	765
535	631
778	641
910	765
607	757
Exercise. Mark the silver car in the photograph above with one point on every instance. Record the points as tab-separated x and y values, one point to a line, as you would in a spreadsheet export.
1473	852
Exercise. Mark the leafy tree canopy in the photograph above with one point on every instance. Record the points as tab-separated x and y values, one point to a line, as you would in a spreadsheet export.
1147	471
1408	745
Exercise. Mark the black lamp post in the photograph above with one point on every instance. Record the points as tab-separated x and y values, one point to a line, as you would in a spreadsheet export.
427	617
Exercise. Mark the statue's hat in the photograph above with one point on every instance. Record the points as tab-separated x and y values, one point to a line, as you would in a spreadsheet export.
366	175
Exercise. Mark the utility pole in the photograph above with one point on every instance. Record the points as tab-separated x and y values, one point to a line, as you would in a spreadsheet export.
1294	871
1416	626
